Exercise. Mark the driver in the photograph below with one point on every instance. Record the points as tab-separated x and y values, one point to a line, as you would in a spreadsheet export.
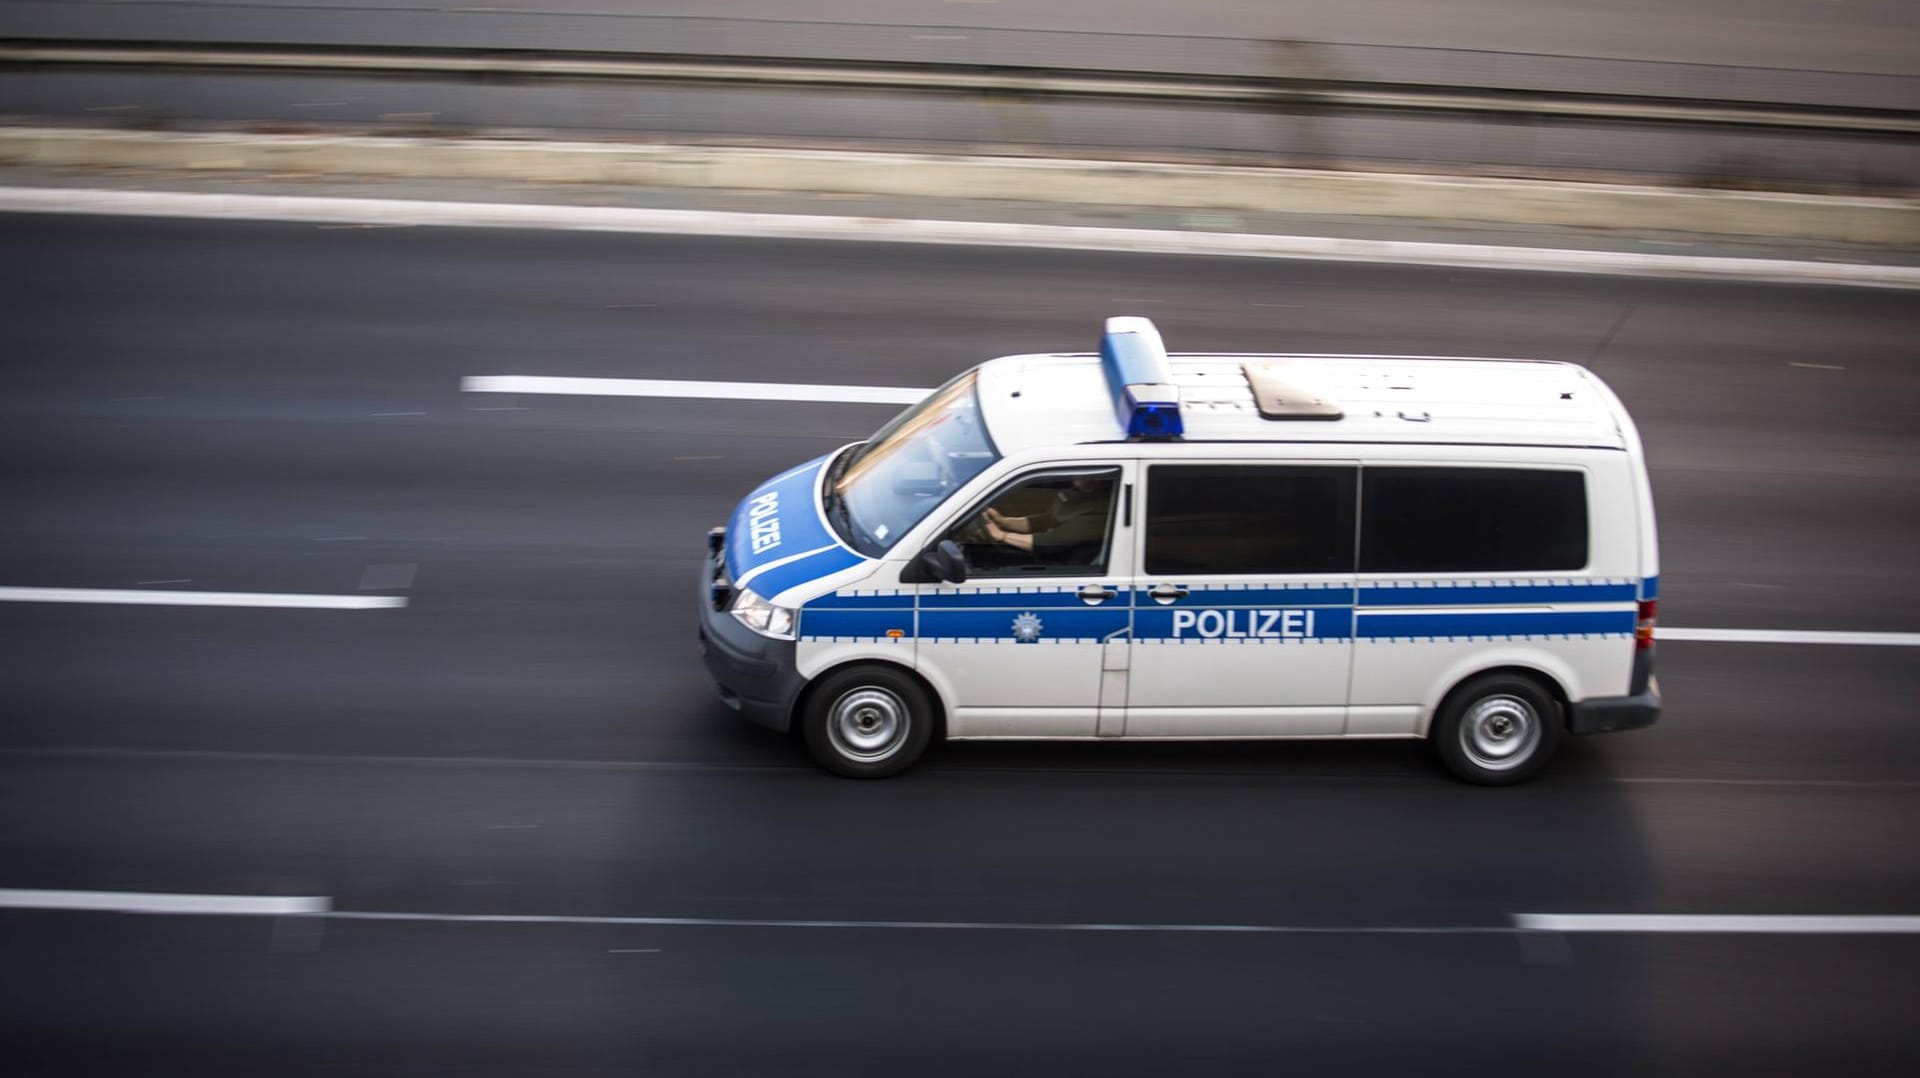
1077	516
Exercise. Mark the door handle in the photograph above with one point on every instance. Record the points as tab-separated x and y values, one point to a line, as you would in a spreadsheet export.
1094	594
1166	593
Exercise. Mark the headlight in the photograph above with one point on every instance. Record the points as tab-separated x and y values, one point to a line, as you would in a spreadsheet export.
761	616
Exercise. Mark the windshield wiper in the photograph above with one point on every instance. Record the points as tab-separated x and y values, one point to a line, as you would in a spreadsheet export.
835	504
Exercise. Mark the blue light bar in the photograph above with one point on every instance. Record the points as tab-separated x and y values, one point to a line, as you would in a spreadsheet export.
1141	379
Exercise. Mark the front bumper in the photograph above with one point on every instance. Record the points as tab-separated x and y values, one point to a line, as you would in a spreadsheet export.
753	674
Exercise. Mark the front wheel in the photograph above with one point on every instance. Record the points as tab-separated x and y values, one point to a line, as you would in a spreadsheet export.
1497	730
867	722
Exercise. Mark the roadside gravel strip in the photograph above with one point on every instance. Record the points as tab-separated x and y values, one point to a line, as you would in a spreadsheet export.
399	212
1384	197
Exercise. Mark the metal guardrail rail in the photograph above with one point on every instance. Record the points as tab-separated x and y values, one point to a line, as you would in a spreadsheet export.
1276	93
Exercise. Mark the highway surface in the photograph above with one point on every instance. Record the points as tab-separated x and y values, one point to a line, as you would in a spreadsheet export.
240	407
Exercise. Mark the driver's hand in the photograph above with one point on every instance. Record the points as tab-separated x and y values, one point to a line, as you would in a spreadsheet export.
995	516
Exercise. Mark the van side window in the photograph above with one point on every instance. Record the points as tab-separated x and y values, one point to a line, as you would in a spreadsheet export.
1249	518
1053	523
1448	520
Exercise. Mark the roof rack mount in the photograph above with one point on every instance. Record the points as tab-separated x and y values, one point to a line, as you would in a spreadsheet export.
1278	397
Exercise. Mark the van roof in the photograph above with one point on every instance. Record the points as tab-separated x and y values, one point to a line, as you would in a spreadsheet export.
1035	401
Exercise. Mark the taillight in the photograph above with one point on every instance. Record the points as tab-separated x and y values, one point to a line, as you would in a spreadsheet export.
1643	624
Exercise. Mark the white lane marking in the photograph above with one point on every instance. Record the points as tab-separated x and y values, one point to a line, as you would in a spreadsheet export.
140	902
134	597
1789	636
656	387
320	906
1791	925
385	211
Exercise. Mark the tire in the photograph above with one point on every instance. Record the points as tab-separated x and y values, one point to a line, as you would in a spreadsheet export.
867	722
1497	730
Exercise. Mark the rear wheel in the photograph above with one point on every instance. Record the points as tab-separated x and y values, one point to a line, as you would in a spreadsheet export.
868	722
1497	730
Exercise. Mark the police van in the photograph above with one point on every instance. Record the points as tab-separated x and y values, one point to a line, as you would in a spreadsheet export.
1135	546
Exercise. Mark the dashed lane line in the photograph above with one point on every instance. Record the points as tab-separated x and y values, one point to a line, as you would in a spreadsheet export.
139	597
147	902
1790	636
218	905
1715	923
655	387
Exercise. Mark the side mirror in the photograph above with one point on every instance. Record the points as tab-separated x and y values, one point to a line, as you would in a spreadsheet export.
943	563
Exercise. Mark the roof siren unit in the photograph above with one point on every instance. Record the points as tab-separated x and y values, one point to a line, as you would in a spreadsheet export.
1141	379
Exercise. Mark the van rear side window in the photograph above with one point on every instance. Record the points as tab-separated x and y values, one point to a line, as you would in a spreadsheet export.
1449	520
1249	519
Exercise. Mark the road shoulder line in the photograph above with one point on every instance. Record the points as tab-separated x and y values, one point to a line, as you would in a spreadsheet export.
721	223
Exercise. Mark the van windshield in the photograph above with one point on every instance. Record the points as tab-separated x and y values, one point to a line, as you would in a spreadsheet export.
877	491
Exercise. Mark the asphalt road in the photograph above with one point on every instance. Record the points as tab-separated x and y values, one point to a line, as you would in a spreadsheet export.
247	407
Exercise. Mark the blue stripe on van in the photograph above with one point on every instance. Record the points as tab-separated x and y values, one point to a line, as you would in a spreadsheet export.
1497	595
1086	623
869	624
1375	626
1650	588
843	601
812	567
989	616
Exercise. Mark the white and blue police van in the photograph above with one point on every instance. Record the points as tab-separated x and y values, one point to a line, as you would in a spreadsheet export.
1135	546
